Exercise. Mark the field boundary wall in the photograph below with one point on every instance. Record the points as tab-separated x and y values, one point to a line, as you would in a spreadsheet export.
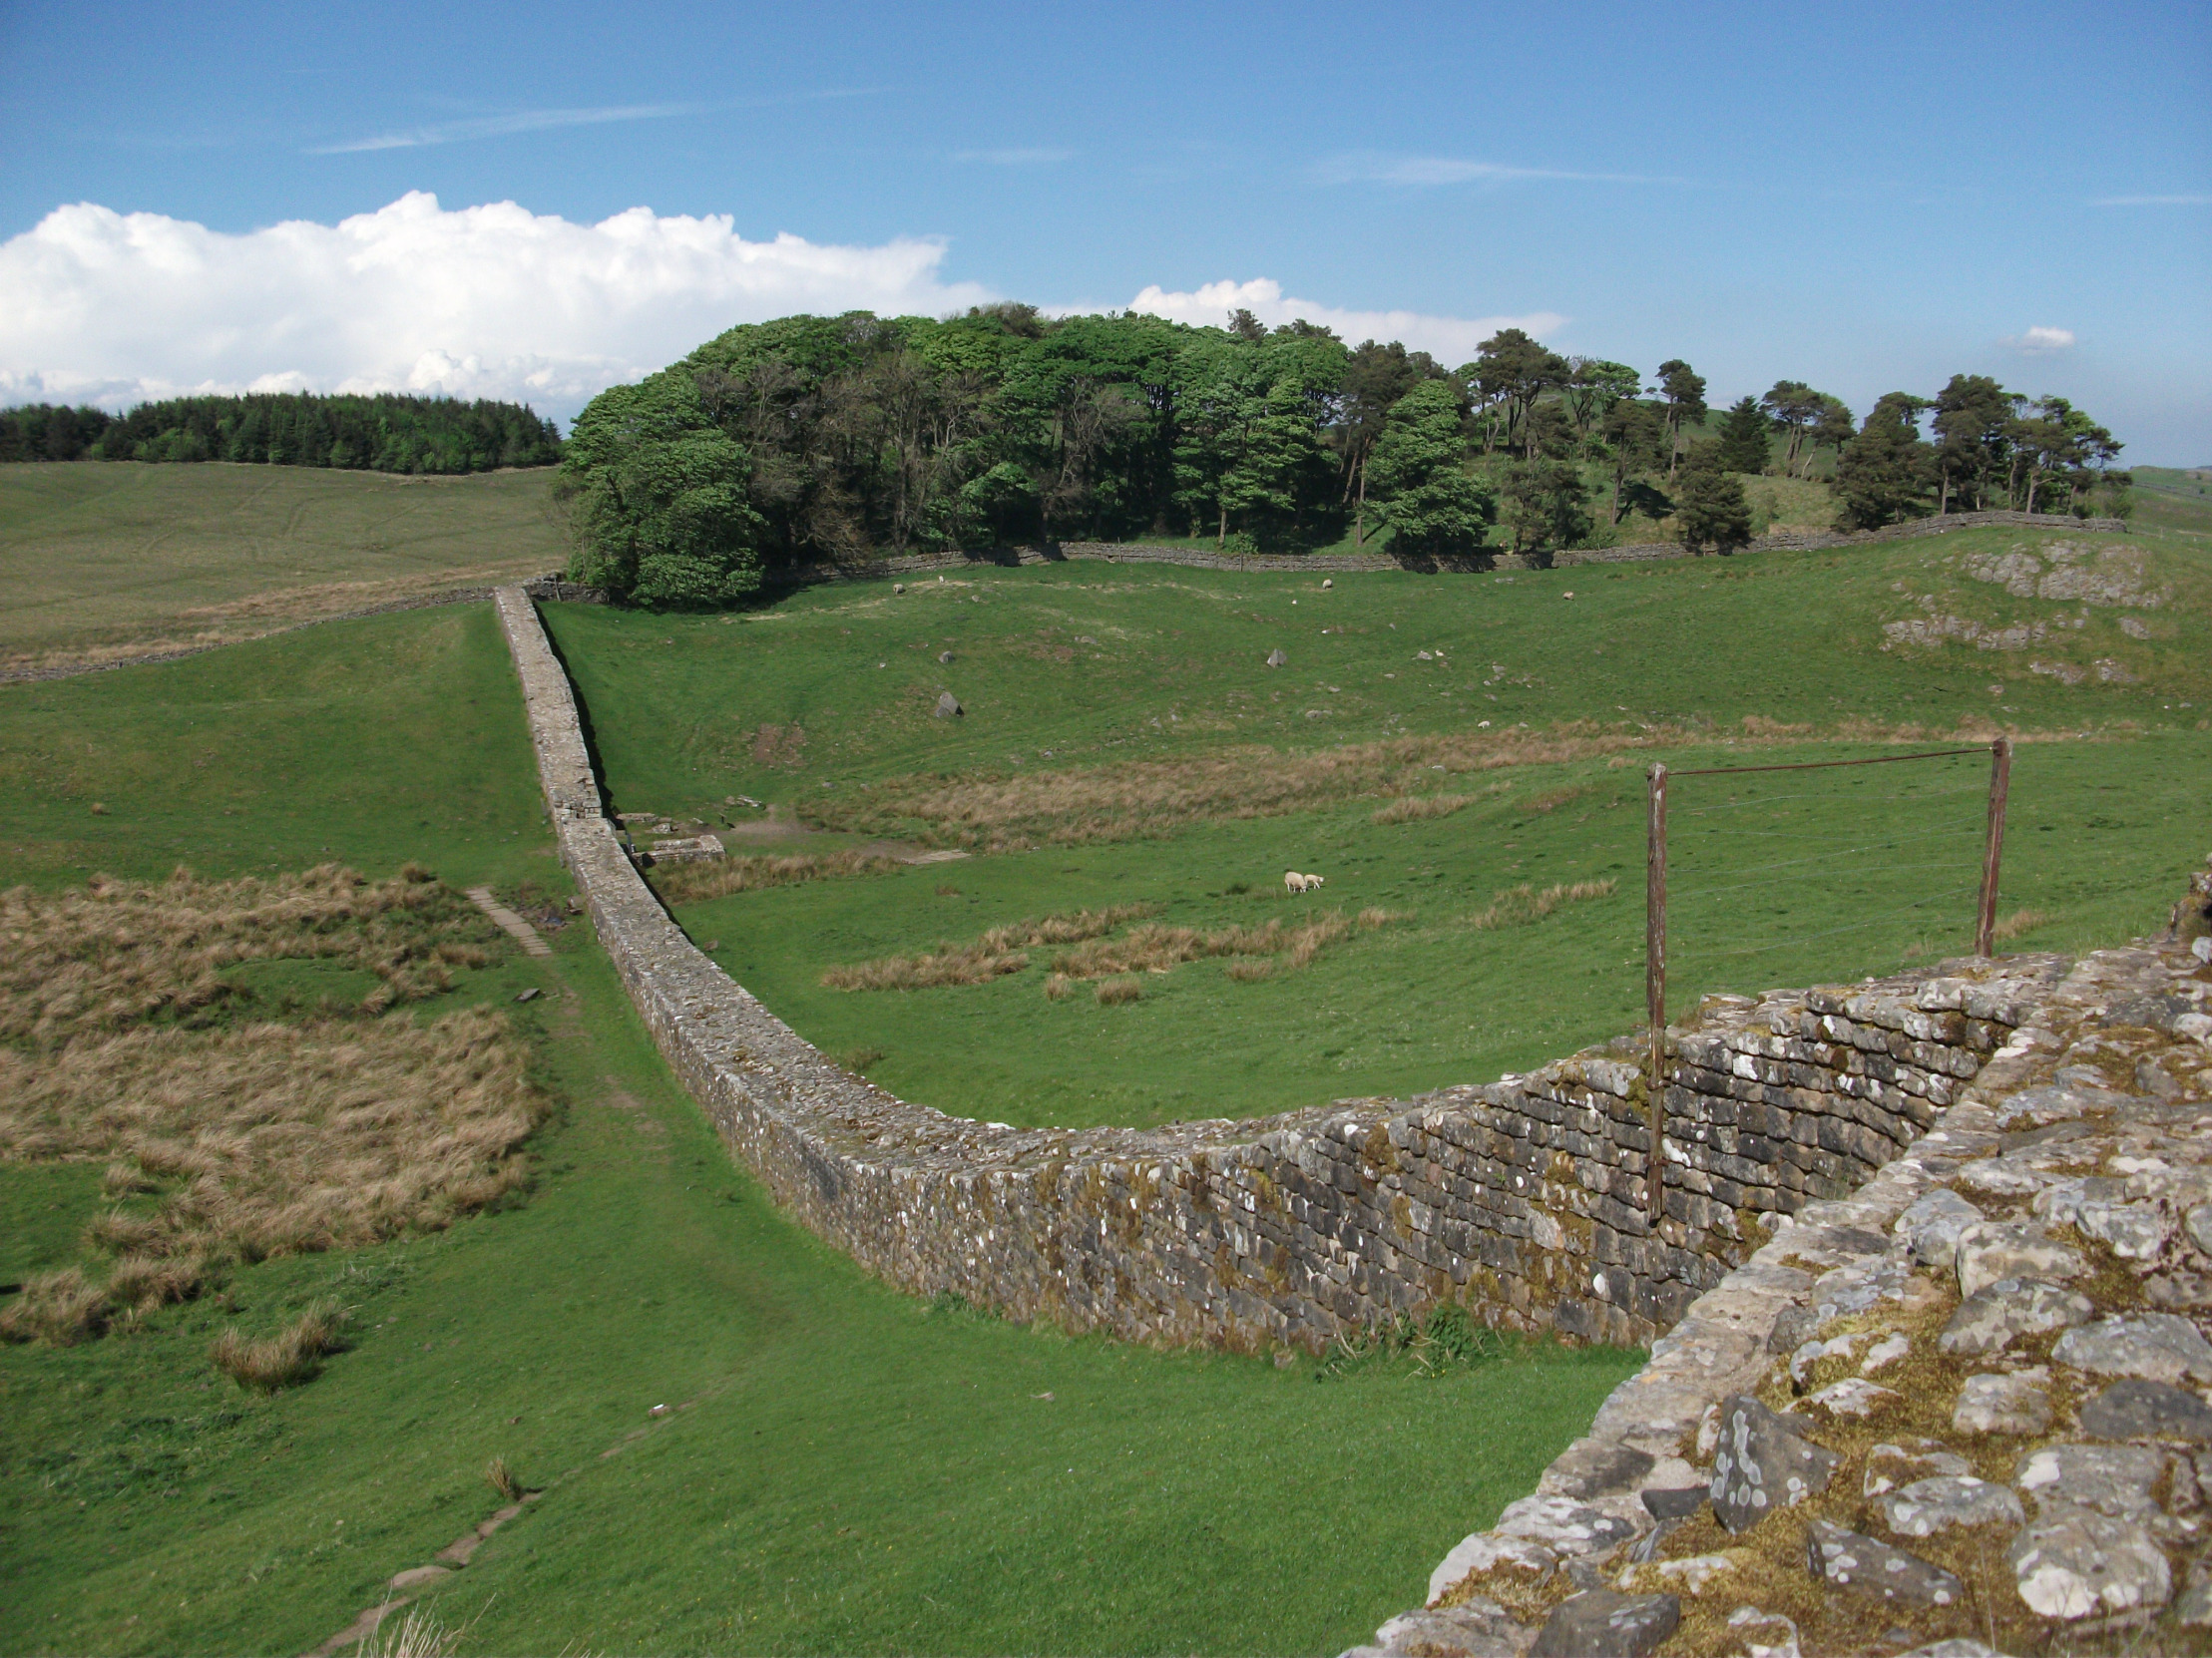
1524	1200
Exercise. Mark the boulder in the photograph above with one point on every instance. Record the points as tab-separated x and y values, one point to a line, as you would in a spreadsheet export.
1866	1565
1564	1526
1990	1319
948	706
2154	1347
2137	1410
1278	657
1992	1250
1927	1506
2074	1562
1930	1226
2001	1405
2115	1480
1763	1462
1602	1624
1594	1468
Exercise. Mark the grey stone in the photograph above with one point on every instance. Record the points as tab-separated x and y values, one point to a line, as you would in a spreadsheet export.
1958	1646
2198	1224
1930	1226
2137	1410
1927	1506
948	706
1479	1629
2074	1562
1866	1565
530	995
1991	1250
1665	1502
1763	1462
1794	1326
2134	1231
1278	657
1990	1319
2194	1609
1594	1468
2156	1347
2001	1405
1564	1526
2115	1480
1890	1465
1487	1551
1602	1624
944	655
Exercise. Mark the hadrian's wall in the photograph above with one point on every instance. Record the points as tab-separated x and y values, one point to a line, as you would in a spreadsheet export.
1527	1199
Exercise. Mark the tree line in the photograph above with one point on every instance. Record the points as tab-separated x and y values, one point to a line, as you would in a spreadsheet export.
381	432
849	437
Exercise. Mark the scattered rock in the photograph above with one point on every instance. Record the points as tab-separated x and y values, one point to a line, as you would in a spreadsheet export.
1564	1526
1991	1318
1602	1624
1891	1347
1927	1506
1854	1396
944	655
1486	1551
2113	1480
1992	1250
1930	1226
1593	1467
1278	657
2137	1410
2156	1347
1327	583
2001	1405
1763	1462
1856	1561
531	994
1752	1618
948	706
1480	1629
2074	1562
1890	1465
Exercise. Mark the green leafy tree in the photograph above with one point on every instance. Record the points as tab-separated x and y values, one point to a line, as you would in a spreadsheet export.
1832	427
1972	426
658	497
1510	372
1710	512
2058	444
1635	434
1546	505
1683	392
1594	388
1884	473
1745	444
1375	379
1434	504
1795	407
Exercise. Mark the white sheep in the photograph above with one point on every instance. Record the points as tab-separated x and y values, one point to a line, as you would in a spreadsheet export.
1297	882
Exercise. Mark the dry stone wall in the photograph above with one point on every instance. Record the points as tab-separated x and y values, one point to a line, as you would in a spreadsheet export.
1525	1200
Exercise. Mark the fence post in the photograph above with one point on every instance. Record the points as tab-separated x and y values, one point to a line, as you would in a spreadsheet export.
1992	855
1654	990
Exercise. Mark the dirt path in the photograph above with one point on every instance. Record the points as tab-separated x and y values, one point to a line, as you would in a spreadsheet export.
532	942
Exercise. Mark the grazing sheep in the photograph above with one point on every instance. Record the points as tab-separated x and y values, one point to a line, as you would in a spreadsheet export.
1297	882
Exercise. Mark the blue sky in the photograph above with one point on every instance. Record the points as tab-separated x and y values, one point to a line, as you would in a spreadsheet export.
1867	199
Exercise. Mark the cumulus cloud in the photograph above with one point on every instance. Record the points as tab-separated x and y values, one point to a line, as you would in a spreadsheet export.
484	301
1451	339
2041	342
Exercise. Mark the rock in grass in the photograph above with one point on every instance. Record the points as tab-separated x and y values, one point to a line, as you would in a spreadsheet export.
2153	1346
2001	1405
530	995
2137	1410
1278	657
948	706
1865	1565
1927	1506
1994	1316
2076	1562
1763	1464
1602	1624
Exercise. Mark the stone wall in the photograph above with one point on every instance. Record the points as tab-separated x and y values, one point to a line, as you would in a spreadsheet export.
1525	1200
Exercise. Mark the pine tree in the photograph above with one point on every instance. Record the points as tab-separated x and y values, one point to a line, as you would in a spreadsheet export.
1744	443
1711	513
1884	473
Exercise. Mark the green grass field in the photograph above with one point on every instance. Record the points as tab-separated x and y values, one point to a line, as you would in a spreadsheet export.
109	559
1084	671
856	1471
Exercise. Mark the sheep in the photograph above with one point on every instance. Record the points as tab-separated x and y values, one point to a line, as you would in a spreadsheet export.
1296	883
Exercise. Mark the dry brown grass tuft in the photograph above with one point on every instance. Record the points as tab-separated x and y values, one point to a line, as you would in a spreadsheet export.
293	1355
1550	800
718	878
1112	993
1522	905
1157	949
2015	924
995	954
1059	987
501	1478
1250	970
1412	807
417	1635
233	1142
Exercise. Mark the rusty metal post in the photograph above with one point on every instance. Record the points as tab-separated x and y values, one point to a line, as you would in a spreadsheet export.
1993	856
1654	989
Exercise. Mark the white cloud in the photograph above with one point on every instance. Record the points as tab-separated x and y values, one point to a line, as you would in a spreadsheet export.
485	301
1013	158
497	125
2041	342
1367	167
1451	339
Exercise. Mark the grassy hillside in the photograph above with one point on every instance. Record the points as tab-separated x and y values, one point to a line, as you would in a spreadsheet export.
102	559
1122	742
842	1468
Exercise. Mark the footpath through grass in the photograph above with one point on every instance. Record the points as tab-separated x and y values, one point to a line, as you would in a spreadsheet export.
102	559
1123	742
844	1470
